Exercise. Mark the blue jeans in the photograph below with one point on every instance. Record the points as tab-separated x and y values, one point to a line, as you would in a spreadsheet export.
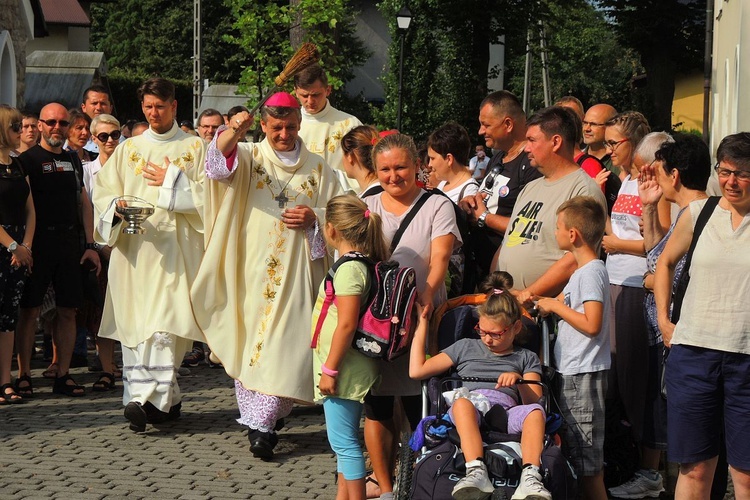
342	424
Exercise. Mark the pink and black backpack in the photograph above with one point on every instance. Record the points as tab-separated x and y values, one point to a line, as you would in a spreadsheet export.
385	325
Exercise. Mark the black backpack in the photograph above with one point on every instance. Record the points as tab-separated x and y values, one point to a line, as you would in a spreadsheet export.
463	270
611	187
438	470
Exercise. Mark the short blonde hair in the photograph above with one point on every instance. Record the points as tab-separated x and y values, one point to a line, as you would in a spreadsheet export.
103	118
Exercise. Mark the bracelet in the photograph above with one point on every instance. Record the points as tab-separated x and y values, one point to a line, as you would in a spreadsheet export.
328	371
27	247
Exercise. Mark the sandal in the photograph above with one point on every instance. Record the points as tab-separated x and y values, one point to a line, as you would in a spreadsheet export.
26	391
105	383
9	398
373	493
72	390
50	372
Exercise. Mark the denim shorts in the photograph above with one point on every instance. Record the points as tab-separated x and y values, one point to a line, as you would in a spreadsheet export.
704	387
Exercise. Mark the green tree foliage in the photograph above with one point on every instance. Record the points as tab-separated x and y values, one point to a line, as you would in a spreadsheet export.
264	30
446	57
155	37
669	37
584	59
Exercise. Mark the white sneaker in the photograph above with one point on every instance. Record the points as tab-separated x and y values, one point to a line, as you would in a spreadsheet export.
530	486
475	485
639	486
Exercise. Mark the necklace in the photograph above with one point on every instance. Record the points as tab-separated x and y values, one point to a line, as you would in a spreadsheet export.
7	165
282	198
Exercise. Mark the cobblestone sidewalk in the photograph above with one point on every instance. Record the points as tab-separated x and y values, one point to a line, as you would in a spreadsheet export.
81	448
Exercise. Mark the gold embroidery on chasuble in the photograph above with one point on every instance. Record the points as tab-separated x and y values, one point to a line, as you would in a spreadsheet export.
184	161
271	282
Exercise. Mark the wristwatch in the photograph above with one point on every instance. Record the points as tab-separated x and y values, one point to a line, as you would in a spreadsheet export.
93	246
12	247
481	220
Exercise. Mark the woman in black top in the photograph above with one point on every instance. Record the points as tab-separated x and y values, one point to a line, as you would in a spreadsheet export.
17	220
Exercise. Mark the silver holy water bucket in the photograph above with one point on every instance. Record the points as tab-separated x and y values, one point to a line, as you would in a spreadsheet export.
134	211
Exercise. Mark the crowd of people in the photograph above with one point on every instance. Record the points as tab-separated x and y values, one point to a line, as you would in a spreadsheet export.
590	216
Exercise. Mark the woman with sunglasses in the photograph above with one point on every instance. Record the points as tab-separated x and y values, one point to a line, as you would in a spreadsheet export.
105	131
17	223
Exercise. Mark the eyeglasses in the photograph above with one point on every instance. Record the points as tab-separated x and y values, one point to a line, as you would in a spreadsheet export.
740	175
492	335
52	123
104	137
593	124
16	126
613	145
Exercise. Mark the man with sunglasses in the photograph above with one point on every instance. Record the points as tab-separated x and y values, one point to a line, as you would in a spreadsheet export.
62	211
503	125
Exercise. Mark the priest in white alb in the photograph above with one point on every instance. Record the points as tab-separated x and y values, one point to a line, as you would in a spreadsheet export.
265	258
323	126
147	307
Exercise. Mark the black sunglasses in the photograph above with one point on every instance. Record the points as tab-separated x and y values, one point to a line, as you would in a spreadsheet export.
16	126
104	137
52	123
489	181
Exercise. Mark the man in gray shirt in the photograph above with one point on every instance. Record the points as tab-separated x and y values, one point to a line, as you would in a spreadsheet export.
529	251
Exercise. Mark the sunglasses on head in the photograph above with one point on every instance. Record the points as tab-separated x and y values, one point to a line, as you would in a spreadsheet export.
16	126
104	137
52	123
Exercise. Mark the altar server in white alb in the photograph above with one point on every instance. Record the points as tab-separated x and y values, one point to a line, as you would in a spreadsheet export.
265	258
147	307
323	126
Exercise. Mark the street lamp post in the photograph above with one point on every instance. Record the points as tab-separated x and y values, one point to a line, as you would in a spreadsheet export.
403	19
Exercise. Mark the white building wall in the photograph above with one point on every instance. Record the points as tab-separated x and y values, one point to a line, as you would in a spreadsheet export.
730	78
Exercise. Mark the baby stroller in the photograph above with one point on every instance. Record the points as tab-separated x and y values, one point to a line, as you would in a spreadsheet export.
433	470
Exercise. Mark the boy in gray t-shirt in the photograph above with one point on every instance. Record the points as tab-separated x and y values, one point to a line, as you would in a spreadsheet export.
581	353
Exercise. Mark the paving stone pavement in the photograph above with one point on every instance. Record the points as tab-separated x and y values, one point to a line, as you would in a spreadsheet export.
53	446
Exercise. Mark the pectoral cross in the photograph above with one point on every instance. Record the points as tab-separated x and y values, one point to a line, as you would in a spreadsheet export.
282	199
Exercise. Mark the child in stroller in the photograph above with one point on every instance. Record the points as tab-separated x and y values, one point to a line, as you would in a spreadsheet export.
492	354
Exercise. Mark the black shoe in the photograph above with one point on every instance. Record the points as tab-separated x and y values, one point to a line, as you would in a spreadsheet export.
136	415
155	416
193	358
262	444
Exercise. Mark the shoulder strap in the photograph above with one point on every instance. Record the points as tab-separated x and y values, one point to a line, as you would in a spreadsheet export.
409	217
463	189
331	292
583	158
372	190
703	217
